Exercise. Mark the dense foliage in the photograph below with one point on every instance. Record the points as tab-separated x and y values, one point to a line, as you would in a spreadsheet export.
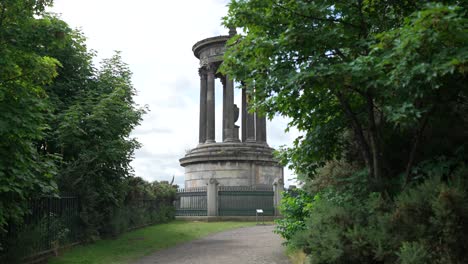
144	203
295	208
24	109
348	224
379	90
65	125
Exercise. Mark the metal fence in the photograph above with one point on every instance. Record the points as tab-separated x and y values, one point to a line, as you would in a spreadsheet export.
231	201
55	222
141	212
57	219
244	200
191	202
50	223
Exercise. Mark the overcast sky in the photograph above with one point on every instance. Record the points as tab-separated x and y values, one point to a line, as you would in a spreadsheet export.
156	39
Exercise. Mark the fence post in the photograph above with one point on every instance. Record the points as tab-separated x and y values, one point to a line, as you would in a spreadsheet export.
212	197
278	188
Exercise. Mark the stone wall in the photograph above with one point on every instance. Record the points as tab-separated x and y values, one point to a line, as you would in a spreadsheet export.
232	173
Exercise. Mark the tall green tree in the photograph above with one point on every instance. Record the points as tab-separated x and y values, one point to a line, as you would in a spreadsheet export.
23	109
378	75
62	121
75	77
94	135
91	115
379	89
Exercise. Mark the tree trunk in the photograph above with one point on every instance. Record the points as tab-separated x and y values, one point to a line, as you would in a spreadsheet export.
374	141
416	142
359	132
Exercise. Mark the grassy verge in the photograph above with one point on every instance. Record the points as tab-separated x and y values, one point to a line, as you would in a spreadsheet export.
135	244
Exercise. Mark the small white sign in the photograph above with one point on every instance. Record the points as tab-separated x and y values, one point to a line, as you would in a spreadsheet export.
259	211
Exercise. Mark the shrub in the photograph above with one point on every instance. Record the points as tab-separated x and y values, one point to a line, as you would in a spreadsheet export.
295	207
426	223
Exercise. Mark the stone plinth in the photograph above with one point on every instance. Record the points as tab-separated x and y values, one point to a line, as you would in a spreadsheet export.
231	164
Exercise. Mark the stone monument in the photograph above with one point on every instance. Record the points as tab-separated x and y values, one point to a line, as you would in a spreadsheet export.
245	161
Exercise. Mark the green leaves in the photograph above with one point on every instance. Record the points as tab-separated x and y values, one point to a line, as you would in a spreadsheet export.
24	172
61	120
380	85
377	70
413	252
94	135
295	207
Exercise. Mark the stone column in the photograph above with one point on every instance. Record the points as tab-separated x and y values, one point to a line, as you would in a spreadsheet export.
278	188
260	128
244	114
229	113
210	104
264	130
223	129
202	124
250	125
212	197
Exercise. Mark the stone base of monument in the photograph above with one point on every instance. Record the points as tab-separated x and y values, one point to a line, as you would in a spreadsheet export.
231	164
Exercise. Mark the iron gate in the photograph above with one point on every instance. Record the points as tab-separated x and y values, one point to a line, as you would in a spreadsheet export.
244	200
191	202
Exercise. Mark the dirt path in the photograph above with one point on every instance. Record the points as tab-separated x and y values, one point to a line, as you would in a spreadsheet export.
248	245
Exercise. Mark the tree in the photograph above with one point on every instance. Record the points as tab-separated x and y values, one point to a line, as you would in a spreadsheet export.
62	121
372	74
75	76
23	109
91	115
379	88
94	135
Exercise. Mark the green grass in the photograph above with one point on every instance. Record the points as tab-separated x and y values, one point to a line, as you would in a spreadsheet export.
135	244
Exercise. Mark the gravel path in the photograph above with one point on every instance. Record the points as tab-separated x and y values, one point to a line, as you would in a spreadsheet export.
247	245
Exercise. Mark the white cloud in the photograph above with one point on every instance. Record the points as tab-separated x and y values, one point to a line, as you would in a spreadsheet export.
156	39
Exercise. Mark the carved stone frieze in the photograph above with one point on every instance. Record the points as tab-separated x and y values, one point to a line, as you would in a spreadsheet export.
212	54
210	50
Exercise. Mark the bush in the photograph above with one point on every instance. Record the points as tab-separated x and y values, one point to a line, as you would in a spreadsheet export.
295	207
426	223
145	203
139	203
433	219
